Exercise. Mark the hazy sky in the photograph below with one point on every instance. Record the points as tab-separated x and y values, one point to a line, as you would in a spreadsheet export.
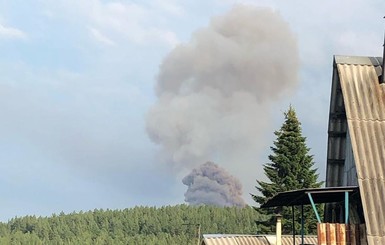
78	79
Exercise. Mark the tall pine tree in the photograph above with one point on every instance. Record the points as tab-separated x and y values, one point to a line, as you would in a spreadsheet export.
291	168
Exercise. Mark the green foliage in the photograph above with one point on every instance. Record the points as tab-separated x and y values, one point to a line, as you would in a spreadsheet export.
139	225
291	168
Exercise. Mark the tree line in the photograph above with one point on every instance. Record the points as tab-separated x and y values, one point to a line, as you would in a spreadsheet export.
139	225
291	167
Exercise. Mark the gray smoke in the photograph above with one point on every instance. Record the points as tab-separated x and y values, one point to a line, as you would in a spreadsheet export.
210	184
215	92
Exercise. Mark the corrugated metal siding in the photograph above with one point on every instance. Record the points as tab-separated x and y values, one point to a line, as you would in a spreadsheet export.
336	151
336	136
254	240
247	240
235	240
350	171
288	240
364	100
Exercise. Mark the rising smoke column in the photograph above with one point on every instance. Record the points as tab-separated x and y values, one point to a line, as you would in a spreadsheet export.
214	93
211	185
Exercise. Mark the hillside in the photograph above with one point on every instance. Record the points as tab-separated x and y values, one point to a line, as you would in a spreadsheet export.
139	225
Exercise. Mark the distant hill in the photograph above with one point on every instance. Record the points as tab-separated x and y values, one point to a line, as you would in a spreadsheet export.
139	225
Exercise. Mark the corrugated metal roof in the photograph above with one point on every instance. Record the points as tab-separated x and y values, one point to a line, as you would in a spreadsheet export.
227	239
288	240
223	239
357	60
319	195
363	109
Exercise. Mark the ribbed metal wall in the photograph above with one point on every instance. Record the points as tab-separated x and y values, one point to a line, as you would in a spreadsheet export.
254	240
288	240
336	150
235	240
336	136
350	171
364	104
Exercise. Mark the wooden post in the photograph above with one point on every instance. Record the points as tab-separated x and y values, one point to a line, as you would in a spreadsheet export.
321	233
279	230
353	234
331	234
341	234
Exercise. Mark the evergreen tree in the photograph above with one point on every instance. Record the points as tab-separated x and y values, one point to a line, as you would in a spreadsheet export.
138	225
291	168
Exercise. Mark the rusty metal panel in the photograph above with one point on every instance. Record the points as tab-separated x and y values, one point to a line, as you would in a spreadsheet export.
331	236
321	230
341	234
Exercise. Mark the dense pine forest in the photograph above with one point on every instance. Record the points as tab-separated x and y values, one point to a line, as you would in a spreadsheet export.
139	225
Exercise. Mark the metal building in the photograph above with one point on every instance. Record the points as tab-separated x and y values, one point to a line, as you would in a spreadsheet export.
356	141
355	157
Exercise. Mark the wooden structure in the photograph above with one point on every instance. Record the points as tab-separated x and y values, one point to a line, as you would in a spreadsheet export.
327	233
341	234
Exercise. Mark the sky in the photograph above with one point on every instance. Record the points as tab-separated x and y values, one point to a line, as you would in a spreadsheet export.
79	80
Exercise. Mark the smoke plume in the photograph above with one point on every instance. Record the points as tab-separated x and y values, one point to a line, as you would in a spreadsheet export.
214	93
211	185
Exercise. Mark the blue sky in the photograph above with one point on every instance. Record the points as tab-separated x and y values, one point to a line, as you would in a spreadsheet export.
77	82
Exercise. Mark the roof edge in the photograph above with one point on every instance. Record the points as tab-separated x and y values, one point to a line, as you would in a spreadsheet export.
357	60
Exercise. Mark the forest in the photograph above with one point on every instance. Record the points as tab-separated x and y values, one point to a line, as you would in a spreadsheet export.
139	225
180	224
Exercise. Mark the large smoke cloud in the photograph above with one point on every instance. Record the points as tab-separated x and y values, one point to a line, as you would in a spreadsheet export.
215	92
212	185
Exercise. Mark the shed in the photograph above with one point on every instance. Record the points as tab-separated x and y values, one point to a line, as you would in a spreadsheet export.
356	140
